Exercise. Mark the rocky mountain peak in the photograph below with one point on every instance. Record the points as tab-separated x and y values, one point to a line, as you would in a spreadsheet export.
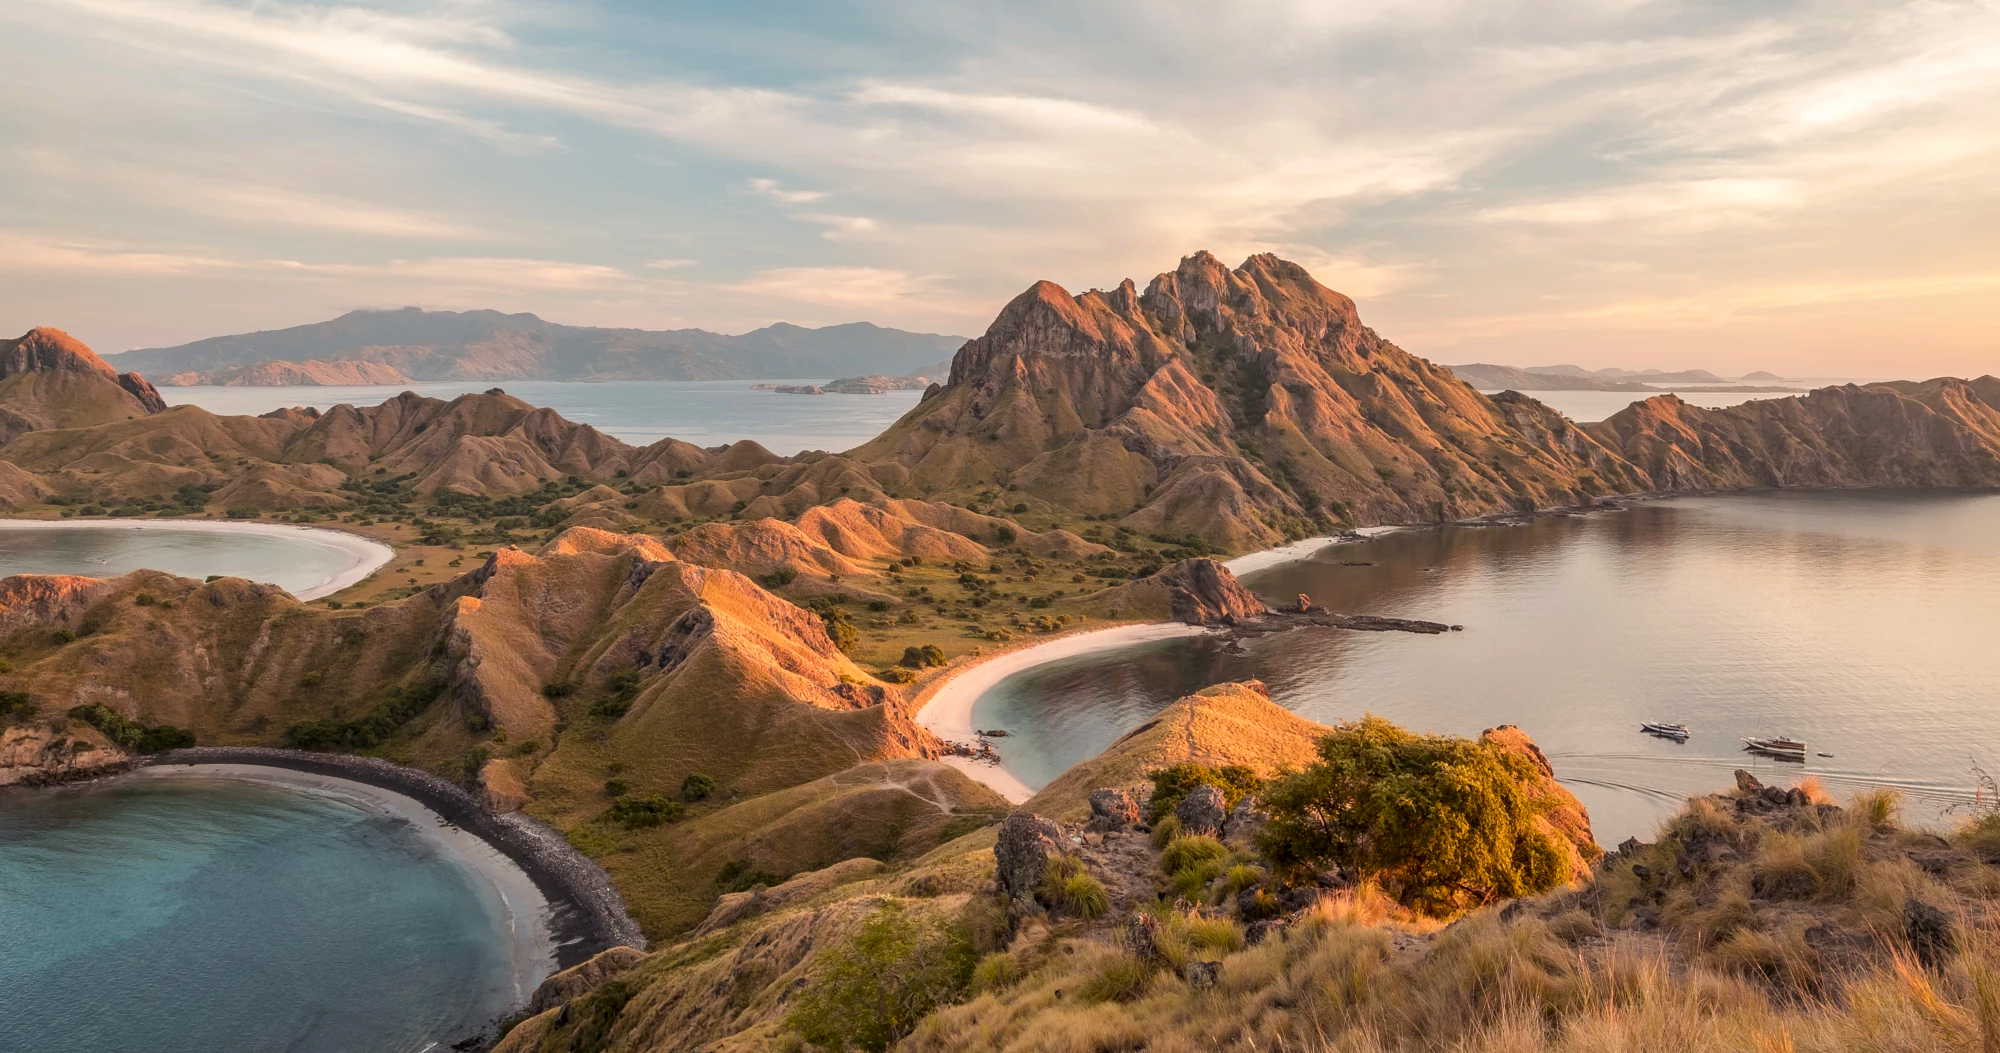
47	348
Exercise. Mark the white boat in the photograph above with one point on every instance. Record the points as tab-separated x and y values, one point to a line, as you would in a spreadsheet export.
1672	731
1781	747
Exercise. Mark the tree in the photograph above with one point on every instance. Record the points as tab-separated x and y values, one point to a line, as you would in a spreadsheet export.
870	993
1441	823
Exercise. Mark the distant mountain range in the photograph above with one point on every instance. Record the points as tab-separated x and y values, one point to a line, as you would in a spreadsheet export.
1576	378
411	344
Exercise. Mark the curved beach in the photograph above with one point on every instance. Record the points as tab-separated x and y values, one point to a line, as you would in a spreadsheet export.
359	556
947	711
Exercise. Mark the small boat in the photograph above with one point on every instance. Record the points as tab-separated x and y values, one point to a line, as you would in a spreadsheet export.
1780	747
1671	731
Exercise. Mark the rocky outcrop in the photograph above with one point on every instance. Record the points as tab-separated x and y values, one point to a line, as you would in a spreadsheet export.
1021	853
1203	811
1111	811
1203	592
579	980
36	756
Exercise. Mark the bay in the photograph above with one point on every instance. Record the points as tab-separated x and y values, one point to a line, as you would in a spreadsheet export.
1861	622
196	914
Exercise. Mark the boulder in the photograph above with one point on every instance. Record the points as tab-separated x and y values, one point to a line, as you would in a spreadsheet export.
1022	851
1203	811
1141	935
1746	782
1112	810
1245	822
1202	975
1930	931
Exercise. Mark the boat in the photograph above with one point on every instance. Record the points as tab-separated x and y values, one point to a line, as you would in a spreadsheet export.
1780	747
1671	731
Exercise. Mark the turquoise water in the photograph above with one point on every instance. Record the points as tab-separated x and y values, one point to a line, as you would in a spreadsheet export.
705	413
1863	623
306	563
211	915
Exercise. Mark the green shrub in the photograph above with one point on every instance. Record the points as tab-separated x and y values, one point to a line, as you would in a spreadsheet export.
697	787
1120	979
381	723
1165	831
1173	783
636	813
63	636
15	703
869	993
896	675
129	733
1440	823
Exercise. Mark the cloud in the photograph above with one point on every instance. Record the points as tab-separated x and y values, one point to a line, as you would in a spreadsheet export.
42	254
770	188
924	161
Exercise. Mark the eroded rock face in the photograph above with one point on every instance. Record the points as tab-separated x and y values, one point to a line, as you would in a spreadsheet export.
1026	843
1111	810
39	757
1204	592
1203	811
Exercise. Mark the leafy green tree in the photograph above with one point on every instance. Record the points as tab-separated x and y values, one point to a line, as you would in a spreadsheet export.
1441	823
868	994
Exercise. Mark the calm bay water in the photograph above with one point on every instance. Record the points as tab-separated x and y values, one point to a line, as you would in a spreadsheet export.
210	915
306	563
705	413
1862	623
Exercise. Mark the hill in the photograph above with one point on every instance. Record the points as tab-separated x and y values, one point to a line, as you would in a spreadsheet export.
490	345
49	379
1943	432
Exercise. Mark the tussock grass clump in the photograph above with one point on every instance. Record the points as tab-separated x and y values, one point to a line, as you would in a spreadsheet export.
1192	850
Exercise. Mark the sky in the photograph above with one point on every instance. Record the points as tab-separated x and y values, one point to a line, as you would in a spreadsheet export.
1811	188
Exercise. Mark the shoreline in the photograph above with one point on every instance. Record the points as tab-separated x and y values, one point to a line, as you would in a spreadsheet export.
365	555
947	710
586	913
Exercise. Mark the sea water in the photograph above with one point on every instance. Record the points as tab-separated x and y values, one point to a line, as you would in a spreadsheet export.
1861	622
704	412
193	914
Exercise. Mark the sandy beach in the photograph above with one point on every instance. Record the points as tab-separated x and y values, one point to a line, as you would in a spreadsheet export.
361	555
525	912
948	711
